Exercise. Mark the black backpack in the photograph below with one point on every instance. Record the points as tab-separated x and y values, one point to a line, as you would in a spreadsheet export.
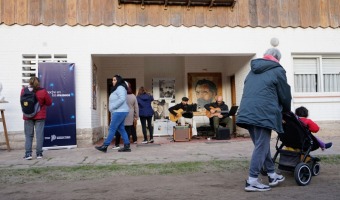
29	103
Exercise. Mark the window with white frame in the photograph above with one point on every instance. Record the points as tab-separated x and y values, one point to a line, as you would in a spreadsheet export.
316	74
30	64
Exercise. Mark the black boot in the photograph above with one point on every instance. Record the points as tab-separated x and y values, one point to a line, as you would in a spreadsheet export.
328	145
126	148
102	148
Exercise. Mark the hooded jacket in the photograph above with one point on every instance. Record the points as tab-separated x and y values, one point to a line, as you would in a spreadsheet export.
117	100
266	95
144	104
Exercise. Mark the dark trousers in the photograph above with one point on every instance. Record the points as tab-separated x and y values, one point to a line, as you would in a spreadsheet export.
215	122
143	121
131	131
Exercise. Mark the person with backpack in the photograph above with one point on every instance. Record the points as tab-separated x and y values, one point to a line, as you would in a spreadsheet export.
34	101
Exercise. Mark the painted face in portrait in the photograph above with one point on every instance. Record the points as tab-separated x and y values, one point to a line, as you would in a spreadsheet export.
204	95
167	89
160	109
155	105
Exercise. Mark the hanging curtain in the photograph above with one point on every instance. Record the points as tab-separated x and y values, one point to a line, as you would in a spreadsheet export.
331	82
331	74
305	82
305	74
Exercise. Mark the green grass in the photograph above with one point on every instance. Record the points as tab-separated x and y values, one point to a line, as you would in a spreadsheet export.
87	172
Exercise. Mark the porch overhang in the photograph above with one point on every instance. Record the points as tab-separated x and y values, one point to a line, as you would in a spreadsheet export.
188	3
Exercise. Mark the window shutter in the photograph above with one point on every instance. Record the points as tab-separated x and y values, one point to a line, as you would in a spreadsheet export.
331	65
305	66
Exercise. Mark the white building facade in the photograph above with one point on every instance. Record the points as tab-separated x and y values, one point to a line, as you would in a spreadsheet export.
310	56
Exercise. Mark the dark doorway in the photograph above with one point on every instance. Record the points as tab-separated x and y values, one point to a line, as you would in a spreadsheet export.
233	101
109	85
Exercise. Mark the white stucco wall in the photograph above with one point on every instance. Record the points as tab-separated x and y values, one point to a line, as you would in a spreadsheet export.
79	43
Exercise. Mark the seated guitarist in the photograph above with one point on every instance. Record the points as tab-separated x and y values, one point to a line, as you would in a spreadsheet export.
180	112
218	113
183	113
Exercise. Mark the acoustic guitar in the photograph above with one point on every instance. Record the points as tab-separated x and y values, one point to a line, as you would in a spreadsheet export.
177	117
216	112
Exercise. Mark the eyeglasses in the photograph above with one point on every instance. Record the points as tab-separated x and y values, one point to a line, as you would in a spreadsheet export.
202	92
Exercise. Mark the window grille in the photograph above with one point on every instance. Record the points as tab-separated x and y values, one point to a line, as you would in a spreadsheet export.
30	64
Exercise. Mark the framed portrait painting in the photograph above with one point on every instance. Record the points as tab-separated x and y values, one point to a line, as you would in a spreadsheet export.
204	87
163	88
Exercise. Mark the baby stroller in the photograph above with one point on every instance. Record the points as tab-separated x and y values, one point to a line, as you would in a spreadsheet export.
293	154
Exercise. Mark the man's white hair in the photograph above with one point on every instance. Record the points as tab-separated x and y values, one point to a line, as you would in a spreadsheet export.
274	52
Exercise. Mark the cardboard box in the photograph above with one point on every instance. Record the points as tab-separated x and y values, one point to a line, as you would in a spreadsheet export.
182	133
163	127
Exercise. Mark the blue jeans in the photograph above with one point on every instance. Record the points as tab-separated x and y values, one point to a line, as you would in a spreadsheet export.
117	124
29	126
261	155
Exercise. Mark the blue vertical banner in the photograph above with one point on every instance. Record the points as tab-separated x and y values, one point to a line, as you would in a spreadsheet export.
60	126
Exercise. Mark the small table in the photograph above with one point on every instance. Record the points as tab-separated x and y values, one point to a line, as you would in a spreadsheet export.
2	119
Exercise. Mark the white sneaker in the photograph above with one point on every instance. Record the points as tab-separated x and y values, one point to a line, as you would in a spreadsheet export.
116	147
39	156
144	142
256	186
275	179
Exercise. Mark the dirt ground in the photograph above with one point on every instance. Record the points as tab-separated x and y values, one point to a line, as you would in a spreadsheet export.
196	185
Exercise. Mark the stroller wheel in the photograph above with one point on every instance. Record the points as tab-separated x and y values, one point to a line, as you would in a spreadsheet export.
263	171
315	169
302	174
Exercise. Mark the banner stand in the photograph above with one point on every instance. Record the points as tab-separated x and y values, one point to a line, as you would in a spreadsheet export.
60	147
60	130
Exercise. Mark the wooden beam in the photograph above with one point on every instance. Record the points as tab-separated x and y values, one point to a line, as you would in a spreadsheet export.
188	3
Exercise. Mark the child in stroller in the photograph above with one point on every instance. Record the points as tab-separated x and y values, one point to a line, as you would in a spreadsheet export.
294	151
302	113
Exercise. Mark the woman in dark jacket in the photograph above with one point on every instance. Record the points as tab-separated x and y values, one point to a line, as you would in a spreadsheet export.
145	112
266	95
36	122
